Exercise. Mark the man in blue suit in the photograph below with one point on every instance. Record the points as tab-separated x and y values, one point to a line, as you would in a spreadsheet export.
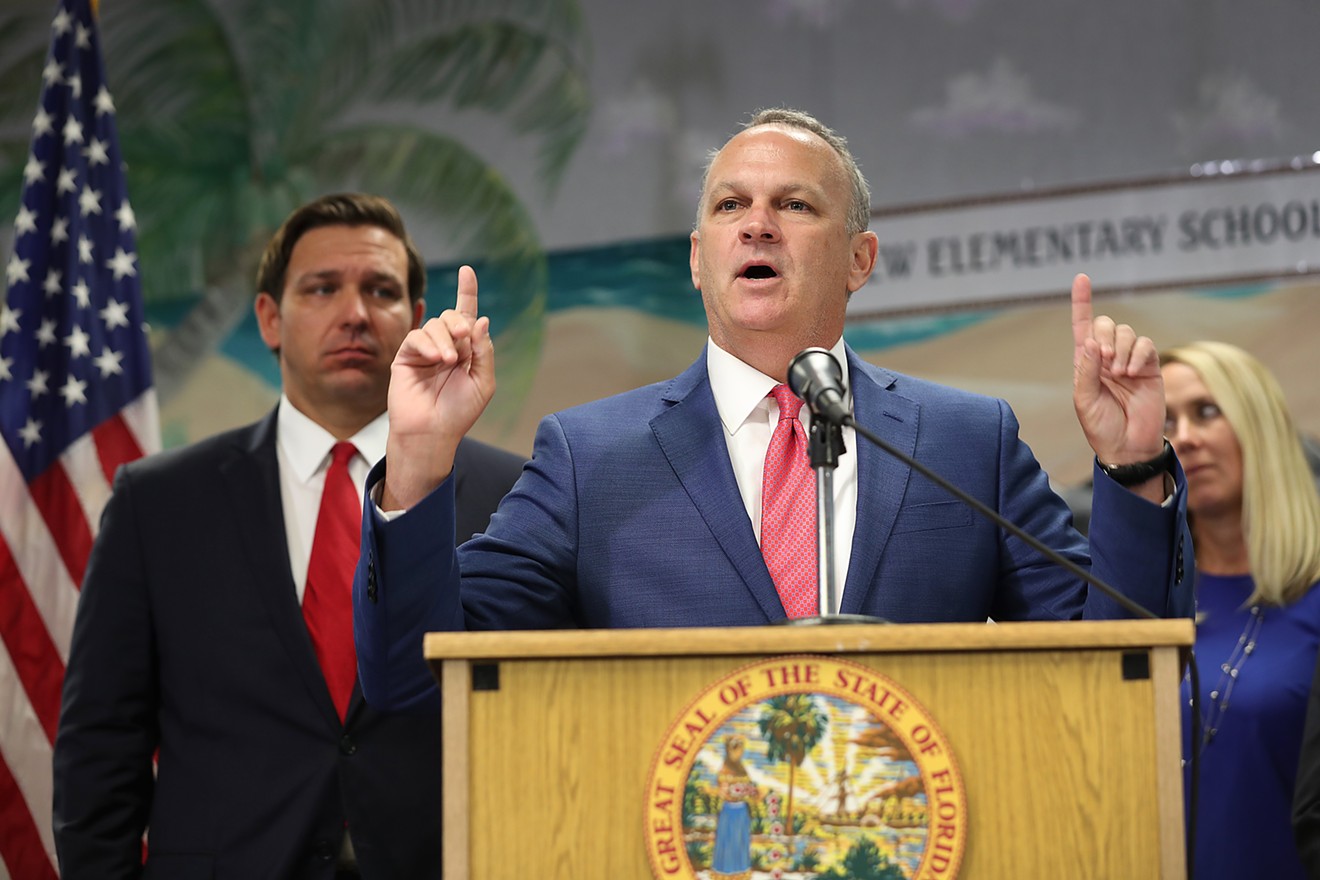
645	509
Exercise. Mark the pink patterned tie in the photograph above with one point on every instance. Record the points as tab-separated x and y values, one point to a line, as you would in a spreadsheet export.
788	511
328	598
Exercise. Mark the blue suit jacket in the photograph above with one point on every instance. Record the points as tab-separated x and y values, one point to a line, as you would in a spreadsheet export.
628	515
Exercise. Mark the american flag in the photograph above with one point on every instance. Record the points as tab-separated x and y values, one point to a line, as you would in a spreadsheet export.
76	401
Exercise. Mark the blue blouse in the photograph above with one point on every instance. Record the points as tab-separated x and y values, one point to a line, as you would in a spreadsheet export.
1249	766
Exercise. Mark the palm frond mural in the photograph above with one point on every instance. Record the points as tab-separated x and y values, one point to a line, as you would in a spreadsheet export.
233	112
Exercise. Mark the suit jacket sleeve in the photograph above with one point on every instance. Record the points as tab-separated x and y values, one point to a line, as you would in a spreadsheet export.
1142	549
1306	799
107	732
408	577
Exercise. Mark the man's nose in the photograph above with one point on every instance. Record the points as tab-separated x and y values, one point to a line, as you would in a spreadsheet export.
353	305
759	225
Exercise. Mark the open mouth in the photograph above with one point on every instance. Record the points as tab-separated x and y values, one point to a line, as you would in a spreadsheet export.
758	272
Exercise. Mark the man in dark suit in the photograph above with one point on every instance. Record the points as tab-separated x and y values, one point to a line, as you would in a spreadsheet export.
190	643
646	509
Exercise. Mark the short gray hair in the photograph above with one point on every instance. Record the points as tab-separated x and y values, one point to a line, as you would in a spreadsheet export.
859	212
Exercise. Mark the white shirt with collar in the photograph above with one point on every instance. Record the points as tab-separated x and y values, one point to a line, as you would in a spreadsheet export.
749	417
303	452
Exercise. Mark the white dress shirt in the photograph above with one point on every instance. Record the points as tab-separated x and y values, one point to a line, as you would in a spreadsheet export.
749	417
303	451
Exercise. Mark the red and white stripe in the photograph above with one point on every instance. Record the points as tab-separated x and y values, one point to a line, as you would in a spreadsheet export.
46	534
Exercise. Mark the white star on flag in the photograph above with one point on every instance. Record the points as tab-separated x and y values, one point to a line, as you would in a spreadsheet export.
72	132
127	219
84	249
33	171
52	285
6	363
89	201
9	319
77	342
108	361
41	125
37	384
72	391
68	181
17	270
121	264
46	333
115	314
103	102
81	293
25	222
96	153
30	433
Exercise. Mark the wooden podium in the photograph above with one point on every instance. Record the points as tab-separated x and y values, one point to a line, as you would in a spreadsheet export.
1066	736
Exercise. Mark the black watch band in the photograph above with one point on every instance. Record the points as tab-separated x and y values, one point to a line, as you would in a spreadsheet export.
1139	472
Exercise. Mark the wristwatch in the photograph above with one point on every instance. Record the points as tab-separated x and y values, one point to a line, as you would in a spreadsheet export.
1139	472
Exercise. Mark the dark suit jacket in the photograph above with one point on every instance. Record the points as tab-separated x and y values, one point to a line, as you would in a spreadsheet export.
1306	799
189	639
629	515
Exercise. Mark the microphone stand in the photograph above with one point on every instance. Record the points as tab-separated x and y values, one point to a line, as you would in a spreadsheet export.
824	447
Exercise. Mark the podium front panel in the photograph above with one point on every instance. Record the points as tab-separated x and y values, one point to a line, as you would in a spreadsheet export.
1069	759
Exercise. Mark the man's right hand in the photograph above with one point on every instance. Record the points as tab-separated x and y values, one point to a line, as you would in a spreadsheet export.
442	378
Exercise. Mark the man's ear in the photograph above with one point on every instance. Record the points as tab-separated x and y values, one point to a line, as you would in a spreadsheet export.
419	312
268	320
694	259
865	247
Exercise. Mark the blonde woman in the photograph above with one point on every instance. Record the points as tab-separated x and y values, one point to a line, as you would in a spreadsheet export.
1254	515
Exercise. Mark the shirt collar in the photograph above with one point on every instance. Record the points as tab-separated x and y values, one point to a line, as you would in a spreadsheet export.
307	445
739	388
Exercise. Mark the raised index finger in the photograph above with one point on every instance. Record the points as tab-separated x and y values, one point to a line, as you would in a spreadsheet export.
1081	310
465	303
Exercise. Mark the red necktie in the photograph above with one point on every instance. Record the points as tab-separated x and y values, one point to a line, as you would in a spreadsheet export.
788	511
328	599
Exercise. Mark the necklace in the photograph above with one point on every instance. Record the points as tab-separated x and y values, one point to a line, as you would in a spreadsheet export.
1229	670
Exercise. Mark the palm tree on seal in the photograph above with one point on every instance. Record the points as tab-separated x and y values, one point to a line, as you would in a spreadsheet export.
792	725
234	112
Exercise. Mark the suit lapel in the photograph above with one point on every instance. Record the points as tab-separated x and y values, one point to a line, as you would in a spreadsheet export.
691	438
252	480
881	479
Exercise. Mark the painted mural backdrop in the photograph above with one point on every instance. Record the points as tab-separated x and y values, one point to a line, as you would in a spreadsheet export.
559	145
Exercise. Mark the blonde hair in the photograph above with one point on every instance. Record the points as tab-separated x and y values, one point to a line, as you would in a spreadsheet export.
1280	504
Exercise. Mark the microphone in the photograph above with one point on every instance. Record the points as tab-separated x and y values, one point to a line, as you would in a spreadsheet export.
814	375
